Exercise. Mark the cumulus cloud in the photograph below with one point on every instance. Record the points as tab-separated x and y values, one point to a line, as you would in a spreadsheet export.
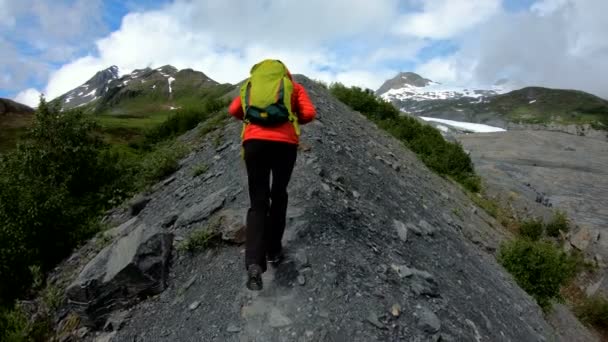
30	97
557	44
34	34
441	19
196	35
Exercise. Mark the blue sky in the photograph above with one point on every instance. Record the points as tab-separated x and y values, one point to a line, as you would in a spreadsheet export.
54	46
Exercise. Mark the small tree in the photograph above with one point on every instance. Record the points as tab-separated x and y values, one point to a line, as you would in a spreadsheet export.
52	187
538	267
532	229
557	224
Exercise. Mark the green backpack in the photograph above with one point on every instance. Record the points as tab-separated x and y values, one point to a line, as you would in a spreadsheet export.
266	95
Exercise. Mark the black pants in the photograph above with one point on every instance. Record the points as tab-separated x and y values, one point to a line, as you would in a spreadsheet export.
266	216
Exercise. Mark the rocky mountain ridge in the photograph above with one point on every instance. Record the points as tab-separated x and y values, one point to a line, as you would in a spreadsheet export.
8	107
14	118
408	91
380	248
107	88
528	108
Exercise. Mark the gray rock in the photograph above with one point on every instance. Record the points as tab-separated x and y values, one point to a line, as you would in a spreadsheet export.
372	170
169	220
123	229
233	328
422	228
277	319
401	230
372	318
107	337
194	305
169	180
301	259
138	204
231	226
581	239
428	321
116	321
421	282
204	209
133	267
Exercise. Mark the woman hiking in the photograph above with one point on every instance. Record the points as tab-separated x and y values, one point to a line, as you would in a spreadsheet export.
272	106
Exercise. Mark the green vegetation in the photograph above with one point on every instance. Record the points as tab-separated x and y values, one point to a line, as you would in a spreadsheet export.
552	105
594	310
540	268
52	187
446	158
60	179
532	229
557	224
200	239
159	163
200	169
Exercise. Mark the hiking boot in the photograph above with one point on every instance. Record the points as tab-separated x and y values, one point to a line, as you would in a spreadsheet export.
276	260
254	278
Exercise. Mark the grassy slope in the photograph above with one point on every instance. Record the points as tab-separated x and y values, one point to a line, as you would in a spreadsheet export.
12	127
552	105
548	106
132	117
129	119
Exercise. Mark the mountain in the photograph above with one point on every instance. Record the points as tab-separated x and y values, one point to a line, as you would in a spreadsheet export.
409	90
14	118
531	105
10	107
379	247
142	90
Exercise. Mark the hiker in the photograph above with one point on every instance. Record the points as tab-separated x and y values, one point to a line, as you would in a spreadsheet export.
272	106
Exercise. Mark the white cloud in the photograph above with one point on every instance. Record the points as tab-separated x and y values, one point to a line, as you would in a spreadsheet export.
562	47
196	35
7	20
440	70
30	97
558	43
544	7
442	19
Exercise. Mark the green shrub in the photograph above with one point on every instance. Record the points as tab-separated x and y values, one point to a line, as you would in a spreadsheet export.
53	186
201	238
13	326
199	170
162	161
531	229
182	121
557	224
594	310
446	158
538	267
213	123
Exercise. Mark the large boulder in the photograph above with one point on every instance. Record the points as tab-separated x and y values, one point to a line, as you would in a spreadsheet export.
131	268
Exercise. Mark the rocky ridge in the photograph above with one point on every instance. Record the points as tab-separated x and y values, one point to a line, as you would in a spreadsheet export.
8	107
412	93
107	88
380	248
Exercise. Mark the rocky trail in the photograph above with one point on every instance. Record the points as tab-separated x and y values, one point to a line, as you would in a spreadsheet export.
380	249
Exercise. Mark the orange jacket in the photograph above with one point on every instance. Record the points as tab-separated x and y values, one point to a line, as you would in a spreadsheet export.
301	106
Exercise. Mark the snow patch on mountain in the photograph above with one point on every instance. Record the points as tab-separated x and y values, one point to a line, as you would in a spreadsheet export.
465	126
170	80
413	87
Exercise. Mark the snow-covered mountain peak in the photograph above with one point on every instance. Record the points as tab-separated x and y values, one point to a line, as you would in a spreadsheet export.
410	86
